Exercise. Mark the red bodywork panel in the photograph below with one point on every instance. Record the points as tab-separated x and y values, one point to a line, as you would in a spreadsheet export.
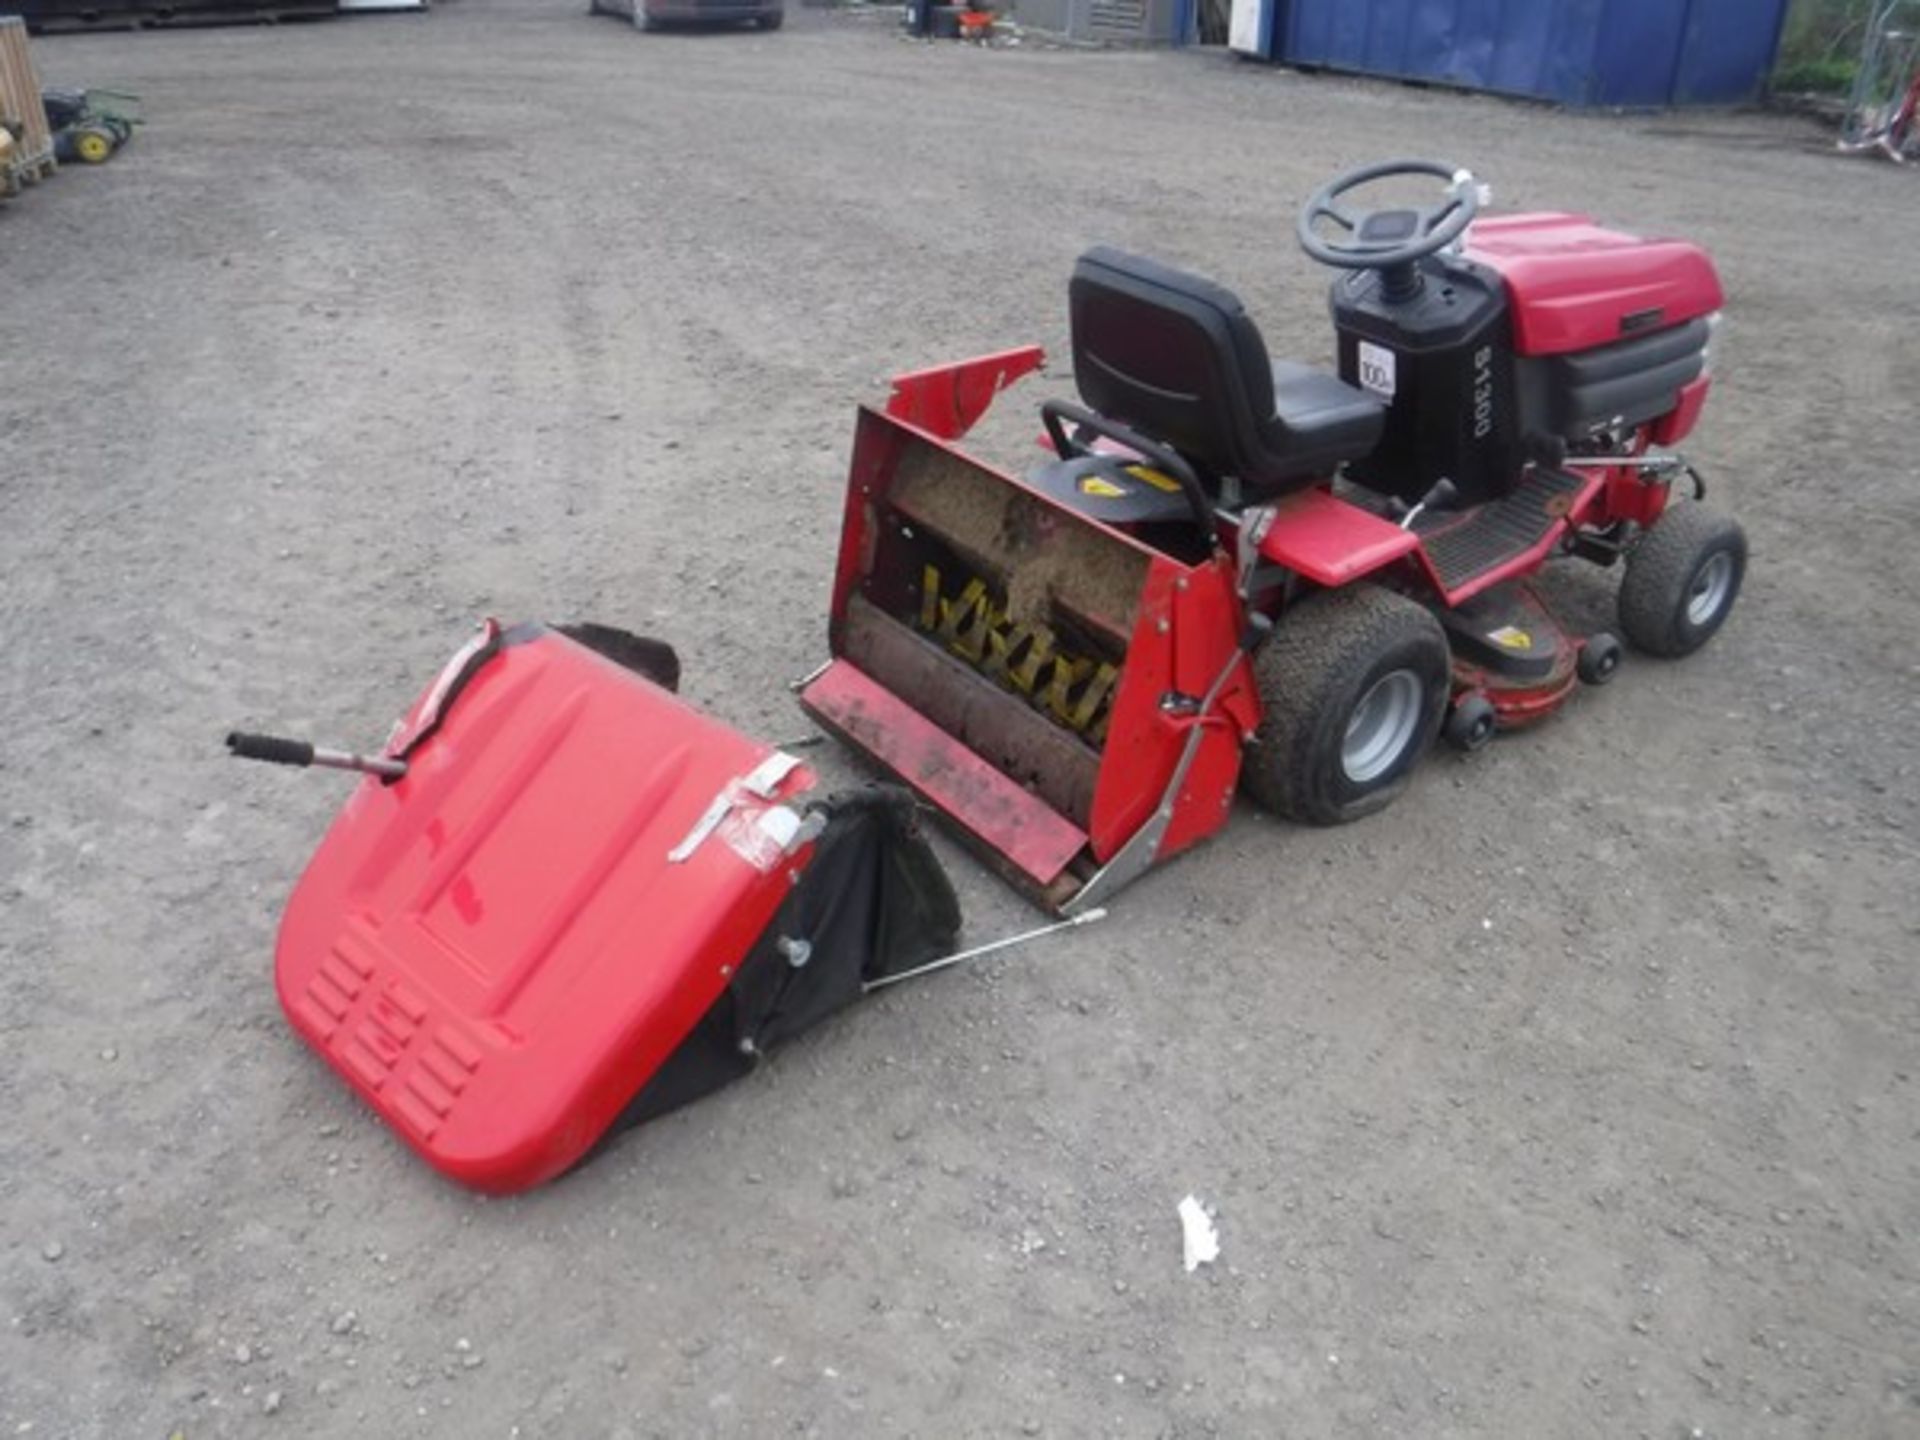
1674	426
1636	495
1187	631
496	951
1575	285
1331	542
1037	840
948	400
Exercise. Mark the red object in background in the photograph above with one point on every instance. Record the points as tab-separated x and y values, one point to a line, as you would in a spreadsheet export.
496	951
1575	285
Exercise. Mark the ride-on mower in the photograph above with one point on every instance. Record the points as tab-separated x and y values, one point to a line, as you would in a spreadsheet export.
1239	570
89	126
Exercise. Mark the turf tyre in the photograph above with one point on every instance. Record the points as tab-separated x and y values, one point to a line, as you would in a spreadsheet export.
1691	556
1327	656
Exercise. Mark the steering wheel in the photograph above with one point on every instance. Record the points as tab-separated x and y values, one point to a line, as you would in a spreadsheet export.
1388	239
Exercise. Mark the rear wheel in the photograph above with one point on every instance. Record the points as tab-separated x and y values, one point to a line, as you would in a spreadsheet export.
772	20
1352	685
1682	580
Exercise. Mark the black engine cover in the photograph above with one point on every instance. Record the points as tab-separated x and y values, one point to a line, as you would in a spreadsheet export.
1444	362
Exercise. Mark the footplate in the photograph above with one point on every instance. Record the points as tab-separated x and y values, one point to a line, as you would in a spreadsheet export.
1465	556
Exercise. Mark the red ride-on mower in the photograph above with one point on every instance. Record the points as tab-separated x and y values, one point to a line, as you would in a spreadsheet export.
1238	570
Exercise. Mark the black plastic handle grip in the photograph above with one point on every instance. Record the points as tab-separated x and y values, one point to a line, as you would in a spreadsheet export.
272	748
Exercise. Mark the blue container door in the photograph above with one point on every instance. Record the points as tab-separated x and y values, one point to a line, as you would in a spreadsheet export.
1543	48
1728	51
1639	45
1459	35
1578	52
1523	43
1386	50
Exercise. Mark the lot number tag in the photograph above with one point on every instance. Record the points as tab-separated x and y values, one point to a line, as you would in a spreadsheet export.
1376	369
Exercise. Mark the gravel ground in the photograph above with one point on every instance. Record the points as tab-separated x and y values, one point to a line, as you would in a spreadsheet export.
1573	1096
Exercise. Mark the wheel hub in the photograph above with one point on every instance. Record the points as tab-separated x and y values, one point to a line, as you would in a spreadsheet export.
1381	727
1710	589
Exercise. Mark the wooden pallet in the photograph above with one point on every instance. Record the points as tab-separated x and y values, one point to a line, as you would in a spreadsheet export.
21	174
20	106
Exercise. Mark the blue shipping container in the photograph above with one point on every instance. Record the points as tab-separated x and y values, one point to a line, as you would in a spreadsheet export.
1576	52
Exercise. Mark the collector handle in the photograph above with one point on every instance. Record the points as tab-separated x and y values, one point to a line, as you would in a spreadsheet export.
275	749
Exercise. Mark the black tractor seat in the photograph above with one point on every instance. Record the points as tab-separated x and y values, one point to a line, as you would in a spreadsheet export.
1178	358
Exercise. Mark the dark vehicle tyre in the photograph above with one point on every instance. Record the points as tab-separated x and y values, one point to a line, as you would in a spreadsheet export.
1472	724
1599	659
772	20
1353	684
1682	580
94	144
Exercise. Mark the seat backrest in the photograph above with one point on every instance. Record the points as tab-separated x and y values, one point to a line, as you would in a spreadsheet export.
1175	357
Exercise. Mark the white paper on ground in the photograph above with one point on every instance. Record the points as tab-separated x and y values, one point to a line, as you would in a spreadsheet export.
1202	1239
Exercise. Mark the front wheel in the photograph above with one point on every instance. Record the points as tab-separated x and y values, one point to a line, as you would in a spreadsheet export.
1352	686
1682	580
772	20
93	144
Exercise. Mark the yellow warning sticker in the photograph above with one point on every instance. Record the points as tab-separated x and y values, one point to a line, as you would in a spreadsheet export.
1101	489
1511	637
1166	484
